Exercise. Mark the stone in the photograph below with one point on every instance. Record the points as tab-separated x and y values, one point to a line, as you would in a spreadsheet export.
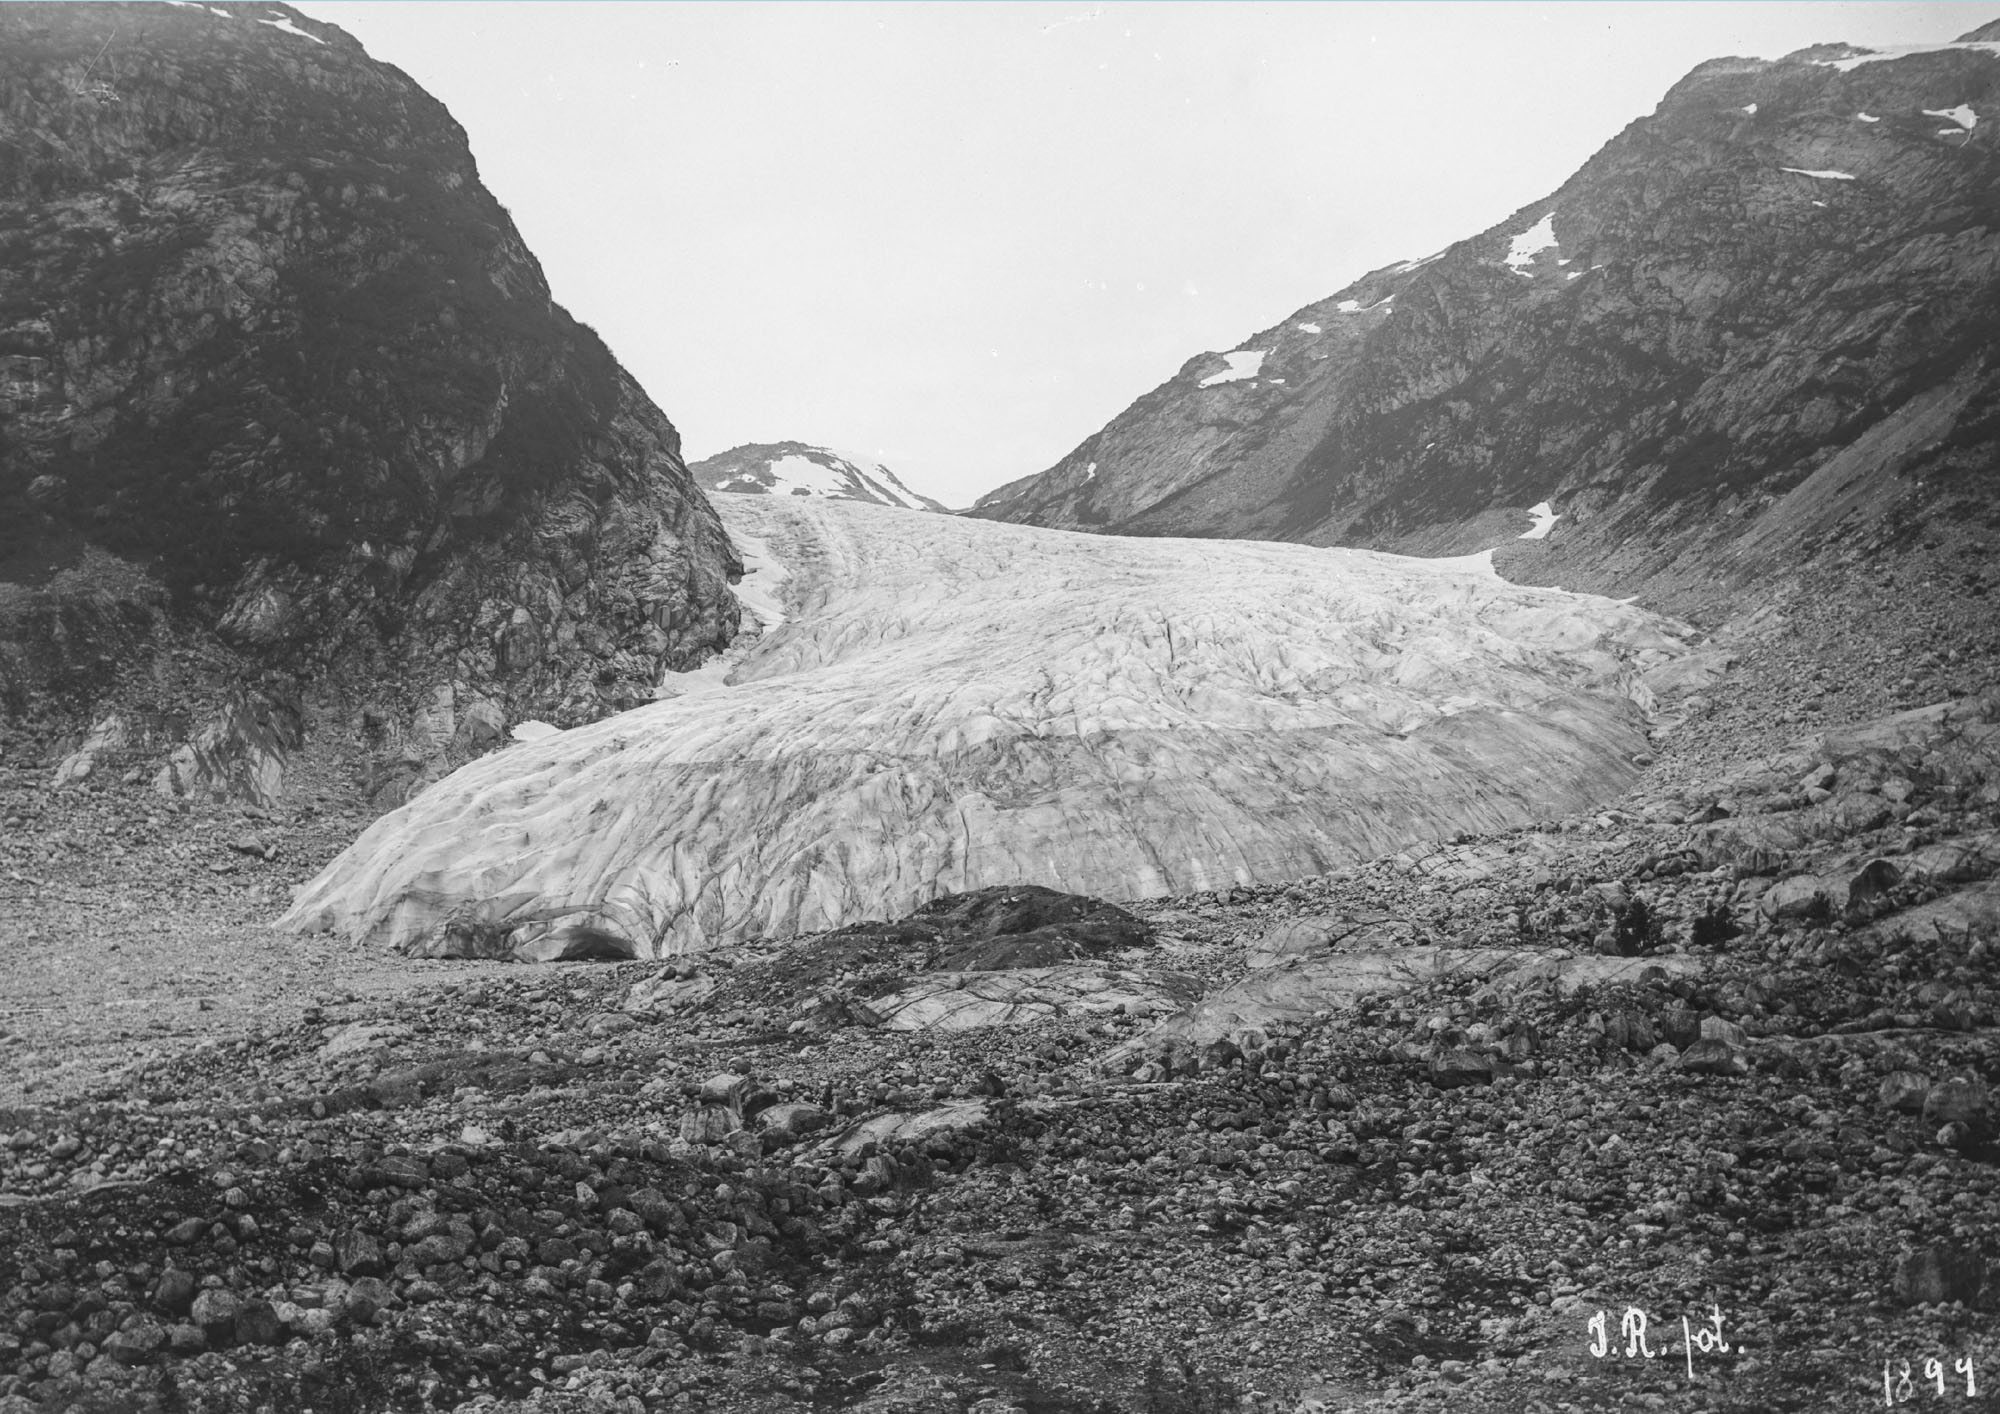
215	1313
1714	1057
1941	1272
1803	896
186	1231
136	1342
710	1124
1904	1090
1961	1099
964	1001
1460	1066
1714	1028
186	1338
793	1117
359	1253
174	1292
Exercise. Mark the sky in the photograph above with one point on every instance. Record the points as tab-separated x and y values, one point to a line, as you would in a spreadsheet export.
962	237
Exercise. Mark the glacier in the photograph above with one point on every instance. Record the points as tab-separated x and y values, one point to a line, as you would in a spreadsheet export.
940	703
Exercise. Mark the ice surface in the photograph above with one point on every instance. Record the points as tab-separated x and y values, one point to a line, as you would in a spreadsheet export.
533	731
1243	364
952	703
1521	251
1545	521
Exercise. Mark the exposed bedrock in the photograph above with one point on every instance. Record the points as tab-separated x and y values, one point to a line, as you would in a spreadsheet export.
943	704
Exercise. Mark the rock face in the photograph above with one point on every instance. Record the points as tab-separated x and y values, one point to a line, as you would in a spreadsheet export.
284	400
797	469
949	704
1765	311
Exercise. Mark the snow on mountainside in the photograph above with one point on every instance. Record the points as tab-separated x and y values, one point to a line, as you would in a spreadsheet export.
1761	320
944	703
799	469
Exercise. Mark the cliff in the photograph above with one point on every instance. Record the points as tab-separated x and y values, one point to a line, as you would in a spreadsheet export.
289	423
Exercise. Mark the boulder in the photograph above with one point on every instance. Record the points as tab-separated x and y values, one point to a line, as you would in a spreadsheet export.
1948	1271
1712	1057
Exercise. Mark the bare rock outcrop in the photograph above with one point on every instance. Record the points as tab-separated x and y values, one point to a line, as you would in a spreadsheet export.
286	407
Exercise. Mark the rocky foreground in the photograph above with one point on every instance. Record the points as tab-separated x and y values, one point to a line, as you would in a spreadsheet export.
1723	1053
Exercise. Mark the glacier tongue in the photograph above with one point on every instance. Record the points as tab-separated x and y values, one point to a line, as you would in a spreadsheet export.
951	703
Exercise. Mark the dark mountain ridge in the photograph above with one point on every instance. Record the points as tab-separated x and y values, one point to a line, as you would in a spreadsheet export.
1765	309
285	400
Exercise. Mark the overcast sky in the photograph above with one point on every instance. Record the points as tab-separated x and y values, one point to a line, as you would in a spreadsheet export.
962	237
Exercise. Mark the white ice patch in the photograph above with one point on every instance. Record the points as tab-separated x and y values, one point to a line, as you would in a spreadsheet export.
1479	565
1349	306
1819	203
1961	115
758	590
533	731
1751	109
1827	174
1090	472
1241	365
289	28
1868	117
1545	521
802	476
1903	51
1308	328
1523	249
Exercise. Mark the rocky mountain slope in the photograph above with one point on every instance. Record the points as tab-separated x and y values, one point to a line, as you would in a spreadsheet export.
948	703
797	469
293	440
1761	315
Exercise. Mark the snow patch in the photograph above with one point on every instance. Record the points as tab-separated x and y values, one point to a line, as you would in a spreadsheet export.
1349	306
1410	265
1903	51
1523	249
1827	174
1545	521
1961	115
1868	117
289	28
1244	364
802	476
1090	472
1308	328
1751	109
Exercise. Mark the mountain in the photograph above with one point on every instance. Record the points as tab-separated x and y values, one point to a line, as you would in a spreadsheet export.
293	440
941	704
1766	310
796	469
